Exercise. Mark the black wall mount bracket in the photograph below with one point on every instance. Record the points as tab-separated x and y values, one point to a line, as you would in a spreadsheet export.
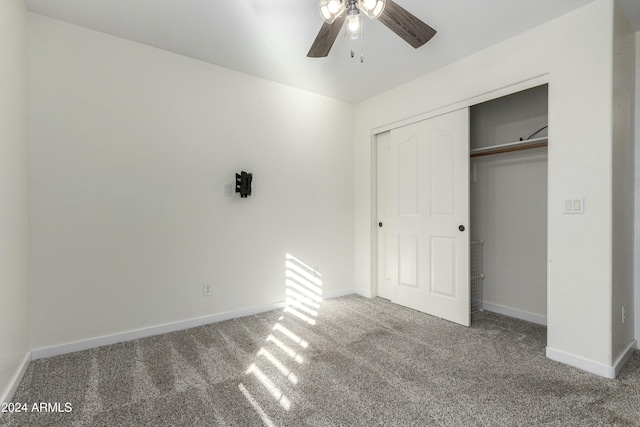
243	183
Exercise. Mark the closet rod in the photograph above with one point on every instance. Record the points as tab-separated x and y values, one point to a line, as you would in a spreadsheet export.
512	146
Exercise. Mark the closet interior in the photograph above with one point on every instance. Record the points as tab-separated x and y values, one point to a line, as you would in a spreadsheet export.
508	204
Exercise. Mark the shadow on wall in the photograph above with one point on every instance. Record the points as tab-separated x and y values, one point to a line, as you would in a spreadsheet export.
272	377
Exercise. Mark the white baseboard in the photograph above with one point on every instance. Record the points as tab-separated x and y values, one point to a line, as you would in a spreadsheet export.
364	293
514	312
624	357
339	293
590	365
58	350
72	347
15	382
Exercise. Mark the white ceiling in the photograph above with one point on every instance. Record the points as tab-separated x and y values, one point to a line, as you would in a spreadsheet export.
270	38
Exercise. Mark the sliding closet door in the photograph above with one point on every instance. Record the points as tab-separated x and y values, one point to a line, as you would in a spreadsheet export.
387	258
423	204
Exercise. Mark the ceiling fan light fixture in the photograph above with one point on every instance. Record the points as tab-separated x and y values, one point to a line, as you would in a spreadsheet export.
372	8
331	9
353	27
334	5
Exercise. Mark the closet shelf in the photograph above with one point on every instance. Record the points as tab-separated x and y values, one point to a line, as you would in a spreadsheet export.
511	146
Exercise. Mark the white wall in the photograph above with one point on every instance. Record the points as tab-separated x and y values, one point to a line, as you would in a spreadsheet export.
575	53
514	232
623	58
510	118
14	286
131	146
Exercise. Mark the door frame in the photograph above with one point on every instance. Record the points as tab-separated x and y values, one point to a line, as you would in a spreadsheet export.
487	96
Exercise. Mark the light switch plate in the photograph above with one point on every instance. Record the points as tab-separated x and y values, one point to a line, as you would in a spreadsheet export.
573	205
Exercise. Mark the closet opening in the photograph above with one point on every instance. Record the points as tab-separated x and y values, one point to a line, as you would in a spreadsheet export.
508	205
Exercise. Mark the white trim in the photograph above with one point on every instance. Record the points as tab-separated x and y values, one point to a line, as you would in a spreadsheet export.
10	391
624	357
338	294
373	248
514	312
589	365
478	99
580	363
72	347
364	293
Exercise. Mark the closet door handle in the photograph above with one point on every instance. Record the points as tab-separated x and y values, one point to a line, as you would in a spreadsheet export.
461	228
380	224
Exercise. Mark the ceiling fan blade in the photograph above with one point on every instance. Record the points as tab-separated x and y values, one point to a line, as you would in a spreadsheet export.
411	29
325	38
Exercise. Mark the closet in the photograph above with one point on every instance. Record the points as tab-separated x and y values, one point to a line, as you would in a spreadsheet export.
508	202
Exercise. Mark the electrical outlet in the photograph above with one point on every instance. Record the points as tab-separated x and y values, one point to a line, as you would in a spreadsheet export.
624	314
206	290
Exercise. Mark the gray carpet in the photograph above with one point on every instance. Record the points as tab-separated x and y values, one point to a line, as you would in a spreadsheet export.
363	363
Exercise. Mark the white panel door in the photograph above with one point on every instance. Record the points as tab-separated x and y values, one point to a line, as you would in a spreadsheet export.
423	209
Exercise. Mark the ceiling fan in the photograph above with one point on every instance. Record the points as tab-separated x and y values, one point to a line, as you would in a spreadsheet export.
336	12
